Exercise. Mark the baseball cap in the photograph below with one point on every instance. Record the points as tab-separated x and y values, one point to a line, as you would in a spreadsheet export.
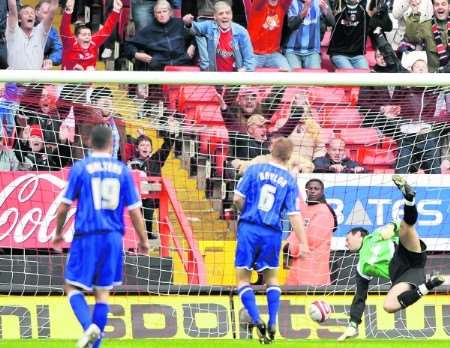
256	120
36	131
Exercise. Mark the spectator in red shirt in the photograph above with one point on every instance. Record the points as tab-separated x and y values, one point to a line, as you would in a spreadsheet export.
265	27
229	47
80	51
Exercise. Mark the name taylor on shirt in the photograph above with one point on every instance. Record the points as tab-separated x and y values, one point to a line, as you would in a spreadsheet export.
273	177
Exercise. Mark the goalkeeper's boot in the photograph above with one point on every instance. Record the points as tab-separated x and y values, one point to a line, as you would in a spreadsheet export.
261	330
434	281
271	331
407	191
89	337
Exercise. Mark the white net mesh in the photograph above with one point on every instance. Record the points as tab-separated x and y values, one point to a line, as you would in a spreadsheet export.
202	139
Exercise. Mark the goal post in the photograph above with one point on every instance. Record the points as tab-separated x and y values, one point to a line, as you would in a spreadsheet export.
203	132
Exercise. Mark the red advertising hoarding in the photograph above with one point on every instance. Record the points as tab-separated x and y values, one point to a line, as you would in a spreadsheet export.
28	205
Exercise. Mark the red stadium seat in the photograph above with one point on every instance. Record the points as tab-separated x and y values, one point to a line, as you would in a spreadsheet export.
356	138
173	91
341	117
210	115
192	96
326	39
359	136
326	63
352	93
320	96
388	143
372	158
181	68
219	160
383	171
342	70
314	70
268	70
370	56
213	138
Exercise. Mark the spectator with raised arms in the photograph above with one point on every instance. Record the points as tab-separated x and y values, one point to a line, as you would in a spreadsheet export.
25	41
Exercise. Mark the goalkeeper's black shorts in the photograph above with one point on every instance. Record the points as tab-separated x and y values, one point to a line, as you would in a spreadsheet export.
407	266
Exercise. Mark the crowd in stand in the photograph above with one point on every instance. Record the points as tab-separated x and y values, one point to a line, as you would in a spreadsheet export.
44	127
221	35
239	35
246	35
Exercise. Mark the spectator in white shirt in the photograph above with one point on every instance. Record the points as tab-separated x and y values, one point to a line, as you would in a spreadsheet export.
25	42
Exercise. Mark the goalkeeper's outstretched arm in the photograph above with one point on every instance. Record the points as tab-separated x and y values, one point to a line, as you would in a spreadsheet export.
357	308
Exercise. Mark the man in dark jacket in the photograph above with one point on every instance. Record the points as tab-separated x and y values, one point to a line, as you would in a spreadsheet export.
163	42
335	161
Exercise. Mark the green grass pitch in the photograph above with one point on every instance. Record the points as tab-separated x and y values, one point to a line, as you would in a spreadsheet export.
205	343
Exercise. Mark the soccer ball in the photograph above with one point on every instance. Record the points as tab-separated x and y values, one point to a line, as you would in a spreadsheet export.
319	311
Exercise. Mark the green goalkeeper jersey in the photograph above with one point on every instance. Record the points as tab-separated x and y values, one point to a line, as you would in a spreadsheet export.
376	253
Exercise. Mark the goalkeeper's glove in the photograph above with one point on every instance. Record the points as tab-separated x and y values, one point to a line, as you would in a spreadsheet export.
387	231
350	331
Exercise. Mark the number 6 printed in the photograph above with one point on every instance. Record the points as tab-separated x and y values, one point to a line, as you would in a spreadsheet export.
267	197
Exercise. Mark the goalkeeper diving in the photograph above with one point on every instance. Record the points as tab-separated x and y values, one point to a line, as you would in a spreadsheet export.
393	251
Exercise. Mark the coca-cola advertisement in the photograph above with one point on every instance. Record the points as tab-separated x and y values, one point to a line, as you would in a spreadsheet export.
28	205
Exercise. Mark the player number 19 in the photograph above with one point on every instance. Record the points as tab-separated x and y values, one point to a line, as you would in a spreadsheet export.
266	197
105	193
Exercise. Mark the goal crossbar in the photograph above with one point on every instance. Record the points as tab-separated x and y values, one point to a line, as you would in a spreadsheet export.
217	78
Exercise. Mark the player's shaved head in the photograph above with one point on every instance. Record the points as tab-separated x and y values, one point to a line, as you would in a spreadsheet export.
282	149
101	137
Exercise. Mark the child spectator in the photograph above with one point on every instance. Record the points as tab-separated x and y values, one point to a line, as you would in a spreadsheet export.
80	51
26	42
151	164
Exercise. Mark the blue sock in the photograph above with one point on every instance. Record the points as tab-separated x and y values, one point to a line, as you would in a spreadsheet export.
247	296
80	308
273	294
100	317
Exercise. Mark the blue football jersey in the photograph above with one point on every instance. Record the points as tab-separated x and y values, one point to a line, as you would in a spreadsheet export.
103	187
269	191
